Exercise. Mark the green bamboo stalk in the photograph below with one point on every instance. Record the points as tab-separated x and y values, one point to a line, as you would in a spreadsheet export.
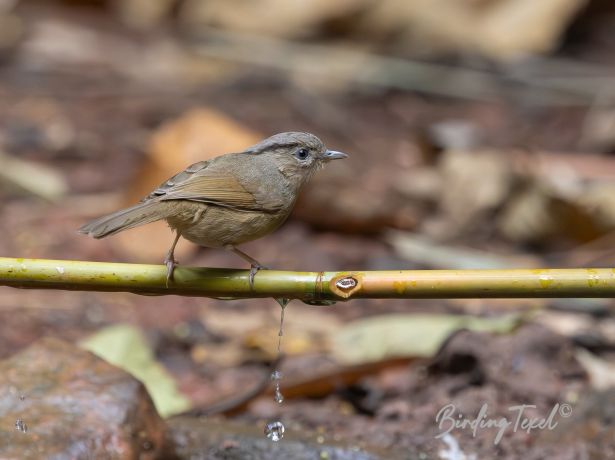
308	286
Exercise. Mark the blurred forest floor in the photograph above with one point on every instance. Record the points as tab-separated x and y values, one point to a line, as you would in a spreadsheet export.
455	162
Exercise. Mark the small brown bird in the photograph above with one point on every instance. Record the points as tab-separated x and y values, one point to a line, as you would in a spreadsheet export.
230	199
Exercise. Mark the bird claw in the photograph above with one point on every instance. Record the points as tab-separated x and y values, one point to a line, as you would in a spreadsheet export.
253	271
171	263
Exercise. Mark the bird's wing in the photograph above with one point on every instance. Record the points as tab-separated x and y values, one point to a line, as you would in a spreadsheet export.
196	183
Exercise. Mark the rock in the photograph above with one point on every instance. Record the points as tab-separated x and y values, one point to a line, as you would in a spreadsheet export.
59	401
515	363
588	431
205	439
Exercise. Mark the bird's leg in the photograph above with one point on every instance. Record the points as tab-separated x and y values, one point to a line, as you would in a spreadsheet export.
169	260
255	265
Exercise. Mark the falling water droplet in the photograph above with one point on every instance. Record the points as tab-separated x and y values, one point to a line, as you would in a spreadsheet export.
281	331
20	425
275	430
276	375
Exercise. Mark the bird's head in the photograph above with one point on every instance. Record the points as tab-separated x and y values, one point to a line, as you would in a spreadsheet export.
296	154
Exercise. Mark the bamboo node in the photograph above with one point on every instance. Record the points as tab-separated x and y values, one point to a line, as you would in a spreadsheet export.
344	286
346	283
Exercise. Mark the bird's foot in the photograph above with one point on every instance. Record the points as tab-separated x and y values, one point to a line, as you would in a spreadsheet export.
171	263
254	268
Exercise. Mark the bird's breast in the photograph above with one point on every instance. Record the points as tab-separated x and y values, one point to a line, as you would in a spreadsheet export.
218	226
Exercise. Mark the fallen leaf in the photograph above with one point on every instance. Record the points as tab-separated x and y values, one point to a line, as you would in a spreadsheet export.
125	347
37	179
378	337
475	183
305	329
601	372
491	27
422	250
271	17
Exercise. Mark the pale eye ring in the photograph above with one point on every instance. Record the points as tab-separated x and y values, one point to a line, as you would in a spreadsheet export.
302	153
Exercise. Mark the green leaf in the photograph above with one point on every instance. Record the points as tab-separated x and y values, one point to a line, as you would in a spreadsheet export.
378	337
126	347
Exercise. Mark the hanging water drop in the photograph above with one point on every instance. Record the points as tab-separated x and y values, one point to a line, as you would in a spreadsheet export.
281	331
276	375
282	302
275	430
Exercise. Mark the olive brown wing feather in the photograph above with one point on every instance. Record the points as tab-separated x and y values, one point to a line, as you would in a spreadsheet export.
196	183
200	184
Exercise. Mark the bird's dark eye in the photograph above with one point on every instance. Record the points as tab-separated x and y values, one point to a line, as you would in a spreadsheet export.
302	153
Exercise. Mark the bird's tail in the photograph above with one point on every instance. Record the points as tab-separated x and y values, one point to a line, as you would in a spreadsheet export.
140	214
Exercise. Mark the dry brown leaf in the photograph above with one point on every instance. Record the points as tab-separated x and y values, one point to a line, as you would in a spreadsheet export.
269	17
599	200
601	372
500	28
526	217
197	135
475	182
143	14
567	324
433	254
38	179
540	212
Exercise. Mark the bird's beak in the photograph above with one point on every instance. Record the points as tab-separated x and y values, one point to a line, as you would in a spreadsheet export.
334	155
